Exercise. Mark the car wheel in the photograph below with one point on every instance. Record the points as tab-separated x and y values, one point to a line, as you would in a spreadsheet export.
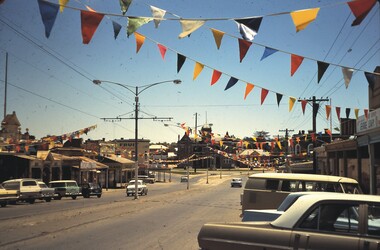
48	199
74	197
31	201
127	194
58	197
3	204
99	195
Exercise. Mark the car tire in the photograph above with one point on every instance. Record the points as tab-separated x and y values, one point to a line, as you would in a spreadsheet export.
99	195
59	197
31	201
74	197
48	199
3	204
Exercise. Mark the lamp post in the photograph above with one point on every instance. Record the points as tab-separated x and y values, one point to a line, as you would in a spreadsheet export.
136	90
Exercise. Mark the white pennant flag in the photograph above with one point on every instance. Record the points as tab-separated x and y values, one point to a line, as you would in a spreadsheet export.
347	75
189	26
247	33
157	14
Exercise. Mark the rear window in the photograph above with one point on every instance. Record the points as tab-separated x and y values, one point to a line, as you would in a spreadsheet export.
29	183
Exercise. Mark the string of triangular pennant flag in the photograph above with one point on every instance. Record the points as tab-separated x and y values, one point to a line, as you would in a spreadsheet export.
91	19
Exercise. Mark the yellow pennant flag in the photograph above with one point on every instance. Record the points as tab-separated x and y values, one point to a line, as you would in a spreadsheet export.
189	26
356	113
254	138
279	145
303	18
292	100
62	4
221	143
197	69
140	39
218	35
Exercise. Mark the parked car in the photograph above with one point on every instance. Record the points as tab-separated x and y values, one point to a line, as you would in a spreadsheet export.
146	179
142	189
46	193
315	221
184	179
91	189
65	188
7	196
272	214
28	189
268	190
236	182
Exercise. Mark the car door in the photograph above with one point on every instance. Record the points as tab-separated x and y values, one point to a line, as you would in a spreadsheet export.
327	226
370	221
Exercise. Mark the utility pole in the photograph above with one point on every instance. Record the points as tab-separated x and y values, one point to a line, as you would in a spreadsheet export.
315	106
6	84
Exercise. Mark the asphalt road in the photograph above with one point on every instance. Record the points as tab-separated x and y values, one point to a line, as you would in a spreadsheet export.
169	217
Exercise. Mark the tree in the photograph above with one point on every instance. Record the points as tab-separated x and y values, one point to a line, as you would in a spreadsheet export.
262	136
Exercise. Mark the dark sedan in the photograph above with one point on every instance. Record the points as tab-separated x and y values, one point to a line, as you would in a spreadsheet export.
91	189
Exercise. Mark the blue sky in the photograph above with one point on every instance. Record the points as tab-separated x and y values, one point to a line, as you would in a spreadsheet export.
52	92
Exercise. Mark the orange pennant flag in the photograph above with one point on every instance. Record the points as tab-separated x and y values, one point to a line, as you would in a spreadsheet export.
356	113
292	100
140	39
89	23
248	89
303	18
162	49
295	62
264	93
328	111
26	148
218	35
215	76
303	103
197	69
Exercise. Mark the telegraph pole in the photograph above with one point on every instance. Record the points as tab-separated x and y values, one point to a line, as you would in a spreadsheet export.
315	104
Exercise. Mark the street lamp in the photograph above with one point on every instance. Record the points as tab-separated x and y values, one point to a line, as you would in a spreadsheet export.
136	90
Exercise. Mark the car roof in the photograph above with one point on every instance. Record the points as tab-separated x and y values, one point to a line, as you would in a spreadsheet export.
62	181
293	214
21	179
305	177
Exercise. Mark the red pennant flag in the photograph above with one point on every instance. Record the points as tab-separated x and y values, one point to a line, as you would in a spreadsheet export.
257	145
162	49
264	93
303	103
337	109
328	131
295	63
366	114
215	76
89	22
243	48
291	142
360	9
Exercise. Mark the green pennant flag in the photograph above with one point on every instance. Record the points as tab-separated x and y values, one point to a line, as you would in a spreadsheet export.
124	5
136	22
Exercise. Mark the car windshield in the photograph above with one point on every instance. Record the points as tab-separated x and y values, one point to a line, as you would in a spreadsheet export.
42	185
